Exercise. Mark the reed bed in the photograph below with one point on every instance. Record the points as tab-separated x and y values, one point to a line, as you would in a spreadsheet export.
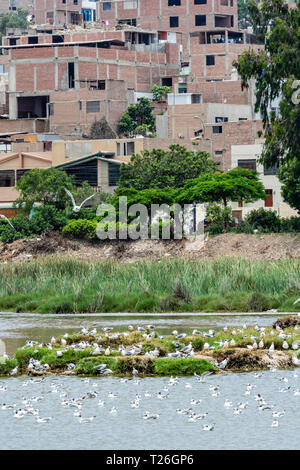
69	285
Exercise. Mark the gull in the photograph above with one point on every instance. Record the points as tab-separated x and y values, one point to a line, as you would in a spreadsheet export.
222	364
147	395
295	345
295	361
278	414
148	415
275	423
14	371
134	372
297	393
261	344
208	427
285	345
196	332
271	349
75	207
205	346
195	402
100	403
227	404
113	410
43	420
7	220
86	420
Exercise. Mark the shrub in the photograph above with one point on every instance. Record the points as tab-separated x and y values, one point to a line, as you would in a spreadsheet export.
264	220
290	225
48	218
81	228
220	218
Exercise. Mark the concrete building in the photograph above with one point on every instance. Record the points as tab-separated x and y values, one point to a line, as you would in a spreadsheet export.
12	167
66	85
246	156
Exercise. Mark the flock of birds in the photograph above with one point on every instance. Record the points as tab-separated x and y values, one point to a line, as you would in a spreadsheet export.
148	333
100	398
201	398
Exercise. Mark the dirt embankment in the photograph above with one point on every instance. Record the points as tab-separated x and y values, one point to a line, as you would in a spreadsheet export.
261	247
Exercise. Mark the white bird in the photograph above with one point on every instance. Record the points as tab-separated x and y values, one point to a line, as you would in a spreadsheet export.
275	423
75	207
271	349
147	415
296	361
208	427
285	345
7	220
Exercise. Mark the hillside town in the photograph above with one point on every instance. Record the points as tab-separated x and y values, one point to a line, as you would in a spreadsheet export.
79	63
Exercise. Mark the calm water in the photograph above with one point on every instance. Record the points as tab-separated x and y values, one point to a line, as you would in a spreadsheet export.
128	430
15	329
251	429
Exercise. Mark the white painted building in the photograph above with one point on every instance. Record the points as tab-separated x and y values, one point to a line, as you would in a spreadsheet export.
246	156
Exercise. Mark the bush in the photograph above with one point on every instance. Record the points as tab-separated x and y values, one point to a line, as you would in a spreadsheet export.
220	218
264	220
290	225
48	218
81	228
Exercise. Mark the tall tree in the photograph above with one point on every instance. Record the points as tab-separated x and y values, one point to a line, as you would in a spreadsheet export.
45	186
276	71
161	169
234	185
139	114
13	19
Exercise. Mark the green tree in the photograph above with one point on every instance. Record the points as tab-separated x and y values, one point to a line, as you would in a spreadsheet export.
161	169
13	19
160	92
275	70
243	14
234	185
45	186
138	114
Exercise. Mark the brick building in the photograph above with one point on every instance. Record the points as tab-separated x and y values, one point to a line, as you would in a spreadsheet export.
70	79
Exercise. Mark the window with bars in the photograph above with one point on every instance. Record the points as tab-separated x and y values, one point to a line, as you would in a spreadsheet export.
93	106
247	164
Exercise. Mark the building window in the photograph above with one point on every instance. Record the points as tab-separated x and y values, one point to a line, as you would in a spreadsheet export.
269	200
7	178
1	68
217	129
106	6
174	21
20	173
210	60
58	38
182	88
196	99
247	164
167	81
125	148
130	4
51	109
63	1
75	2
113	174
174	3
12	41
221	119
93	106
33	40
200	20
200	2
71	74
273	170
